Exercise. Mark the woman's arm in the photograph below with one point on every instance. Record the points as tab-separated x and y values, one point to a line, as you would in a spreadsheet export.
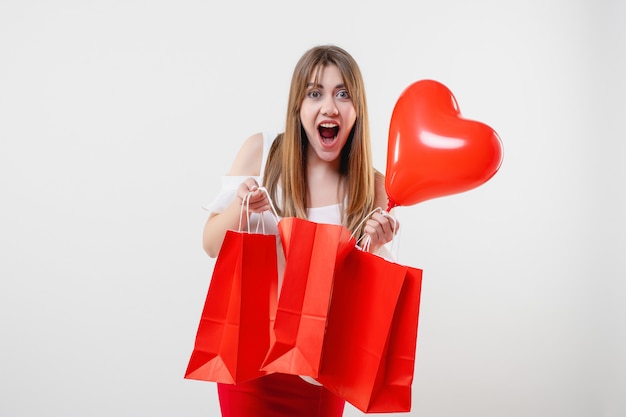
380	227
247	163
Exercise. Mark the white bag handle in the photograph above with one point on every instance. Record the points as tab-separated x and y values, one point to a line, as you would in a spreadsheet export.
246	203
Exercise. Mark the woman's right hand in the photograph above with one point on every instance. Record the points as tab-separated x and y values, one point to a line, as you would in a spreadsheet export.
254	199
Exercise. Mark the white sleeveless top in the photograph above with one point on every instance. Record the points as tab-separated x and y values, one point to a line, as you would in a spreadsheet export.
230	183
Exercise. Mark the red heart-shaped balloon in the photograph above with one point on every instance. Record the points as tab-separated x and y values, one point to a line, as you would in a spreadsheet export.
432	150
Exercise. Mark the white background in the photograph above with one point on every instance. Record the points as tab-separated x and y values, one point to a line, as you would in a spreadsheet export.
118	117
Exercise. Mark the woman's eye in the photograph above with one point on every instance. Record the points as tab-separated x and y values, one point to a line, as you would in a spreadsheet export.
313	94
343	94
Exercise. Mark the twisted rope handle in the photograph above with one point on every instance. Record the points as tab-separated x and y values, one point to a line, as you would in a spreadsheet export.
246	203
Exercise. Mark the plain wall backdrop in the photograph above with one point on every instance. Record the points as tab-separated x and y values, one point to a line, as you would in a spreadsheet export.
117	119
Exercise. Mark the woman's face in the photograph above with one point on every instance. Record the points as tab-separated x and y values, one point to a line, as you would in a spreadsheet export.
327	114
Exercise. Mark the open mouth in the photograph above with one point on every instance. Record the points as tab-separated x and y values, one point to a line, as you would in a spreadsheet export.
328	131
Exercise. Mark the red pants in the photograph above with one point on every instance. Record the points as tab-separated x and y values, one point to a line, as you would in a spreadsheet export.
278	395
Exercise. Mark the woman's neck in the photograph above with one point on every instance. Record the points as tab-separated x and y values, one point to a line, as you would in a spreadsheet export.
325	185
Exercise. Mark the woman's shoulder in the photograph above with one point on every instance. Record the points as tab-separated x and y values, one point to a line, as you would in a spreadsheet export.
249	157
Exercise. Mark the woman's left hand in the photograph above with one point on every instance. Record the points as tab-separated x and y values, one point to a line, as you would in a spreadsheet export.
380	228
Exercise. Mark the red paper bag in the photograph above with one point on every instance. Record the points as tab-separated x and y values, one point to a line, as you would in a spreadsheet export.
234	331
311	253
369	349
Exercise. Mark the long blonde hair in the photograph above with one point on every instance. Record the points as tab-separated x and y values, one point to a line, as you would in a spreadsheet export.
287	159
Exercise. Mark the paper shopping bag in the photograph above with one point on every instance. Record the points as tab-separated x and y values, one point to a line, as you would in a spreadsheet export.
369	350
311	252
235	326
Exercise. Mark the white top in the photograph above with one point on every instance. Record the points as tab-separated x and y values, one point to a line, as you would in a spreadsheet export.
230	184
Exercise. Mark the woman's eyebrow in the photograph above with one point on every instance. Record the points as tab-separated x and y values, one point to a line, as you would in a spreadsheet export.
322	87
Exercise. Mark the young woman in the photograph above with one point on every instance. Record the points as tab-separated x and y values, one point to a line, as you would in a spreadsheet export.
319	169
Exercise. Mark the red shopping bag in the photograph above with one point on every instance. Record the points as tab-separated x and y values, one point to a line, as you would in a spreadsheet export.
234	331
311	252
370	344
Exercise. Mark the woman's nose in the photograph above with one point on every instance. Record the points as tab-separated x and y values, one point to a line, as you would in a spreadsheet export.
329	108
